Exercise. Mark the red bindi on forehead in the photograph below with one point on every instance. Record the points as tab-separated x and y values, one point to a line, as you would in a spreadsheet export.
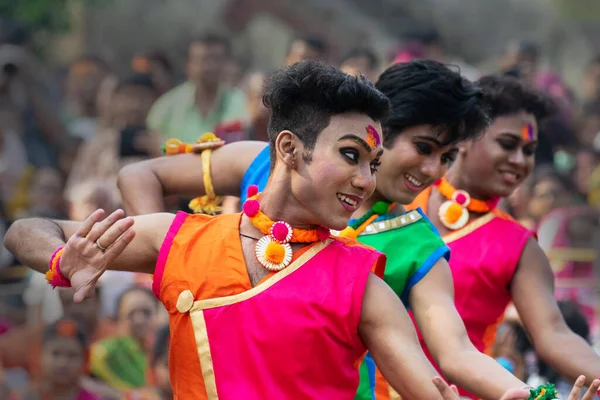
527	133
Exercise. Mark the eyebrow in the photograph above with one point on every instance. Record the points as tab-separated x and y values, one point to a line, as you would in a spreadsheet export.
358	139
430	139
515	136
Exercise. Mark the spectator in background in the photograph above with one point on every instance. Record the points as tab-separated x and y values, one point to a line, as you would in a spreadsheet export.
431	45
21	346
590	81
15	171
521	60
45	197
577	323
259	114
84	79
544	192
306	48
62	364
157	65
122	361
203	103
21	91
125	140
161	390
588	131
361	61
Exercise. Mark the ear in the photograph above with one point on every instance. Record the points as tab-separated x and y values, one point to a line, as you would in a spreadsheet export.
288	147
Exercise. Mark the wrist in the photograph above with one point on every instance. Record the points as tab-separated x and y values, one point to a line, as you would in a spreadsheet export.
55	276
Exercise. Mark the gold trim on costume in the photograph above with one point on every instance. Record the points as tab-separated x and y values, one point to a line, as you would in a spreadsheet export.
223	301
392	223
478	223
206	364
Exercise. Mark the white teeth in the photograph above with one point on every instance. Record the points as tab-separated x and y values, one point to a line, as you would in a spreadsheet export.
347	200
413	181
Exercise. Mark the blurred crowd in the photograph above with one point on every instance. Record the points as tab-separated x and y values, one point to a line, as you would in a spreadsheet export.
65	134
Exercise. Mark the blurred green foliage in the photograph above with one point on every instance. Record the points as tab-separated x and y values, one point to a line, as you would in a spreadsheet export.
52	16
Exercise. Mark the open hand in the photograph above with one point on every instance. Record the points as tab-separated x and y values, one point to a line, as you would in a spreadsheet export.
90	251
448	392
591	392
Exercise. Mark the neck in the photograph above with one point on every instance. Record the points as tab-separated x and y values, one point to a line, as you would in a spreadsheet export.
277	203
462	182
205	92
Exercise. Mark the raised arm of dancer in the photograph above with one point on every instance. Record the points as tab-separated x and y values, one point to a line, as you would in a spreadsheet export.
91	246
144	185
533	295
432	302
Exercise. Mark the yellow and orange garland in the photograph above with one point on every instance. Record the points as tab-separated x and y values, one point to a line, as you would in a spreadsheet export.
454	213
273	251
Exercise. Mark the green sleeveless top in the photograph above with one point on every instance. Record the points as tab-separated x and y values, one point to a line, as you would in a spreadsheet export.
412	246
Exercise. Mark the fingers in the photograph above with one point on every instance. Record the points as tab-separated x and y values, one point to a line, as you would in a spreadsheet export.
592	390
118	247
445	390
516	394
85	292
100	227
454	390
89	223
575	392
114	232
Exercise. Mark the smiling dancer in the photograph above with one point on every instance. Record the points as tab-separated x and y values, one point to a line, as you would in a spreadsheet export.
433	108
238	287
495	260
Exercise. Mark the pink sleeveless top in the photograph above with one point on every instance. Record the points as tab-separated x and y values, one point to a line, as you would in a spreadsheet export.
484	256
294	335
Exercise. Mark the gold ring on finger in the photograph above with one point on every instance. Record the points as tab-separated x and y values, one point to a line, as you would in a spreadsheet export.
100	245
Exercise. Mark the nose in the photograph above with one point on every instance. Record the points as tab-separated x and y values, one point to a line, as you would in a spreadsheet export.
365	181
433	168
518	158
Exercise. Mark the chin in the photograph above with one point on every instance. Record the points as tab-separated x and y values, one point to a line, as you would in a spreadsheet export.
336	223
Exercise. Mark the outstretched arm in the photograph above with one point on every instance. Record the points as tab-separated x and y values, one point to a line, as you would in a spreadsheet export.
143	185
388	333
432	302
533	295
34	240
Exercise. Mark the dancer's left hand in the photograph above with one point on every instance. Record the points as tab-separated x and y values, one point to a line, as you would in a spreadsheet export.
591	392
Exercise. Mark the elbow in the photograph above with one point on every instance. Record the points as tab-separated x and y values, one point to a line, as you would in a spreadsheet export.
127	176
11	235
450	366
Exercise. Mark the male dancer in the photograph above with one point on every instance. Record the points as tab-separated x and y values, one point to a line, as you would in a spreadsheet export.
433	108
238	287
